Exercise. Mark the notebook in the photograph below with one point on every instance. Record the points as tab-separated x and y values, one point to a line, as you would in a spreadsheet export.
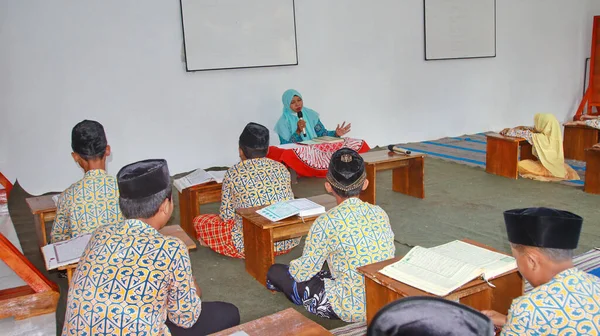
66	252
302	207
442	269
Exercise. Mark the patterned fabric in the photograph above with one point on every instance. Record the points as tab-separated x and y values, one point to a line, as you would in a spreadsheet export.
313	160
595	123
129	280
567	305
250	183
348	236
320	130
520	133
86	205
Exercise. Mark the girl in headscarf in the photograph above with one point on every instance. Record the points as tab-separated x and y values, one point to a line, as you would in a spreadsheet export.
546	139
291	129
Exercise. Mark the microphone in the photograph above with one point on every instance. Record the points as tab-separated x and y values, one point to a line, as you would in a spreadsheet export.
300	118
398	150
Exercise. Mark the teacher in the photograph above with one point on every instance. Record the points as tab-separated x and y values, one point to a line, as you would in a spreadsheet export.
291	129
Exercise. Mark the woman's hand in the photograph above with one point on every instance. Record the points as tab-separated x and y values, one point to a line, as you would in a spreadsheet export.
340	131
301	126
498	319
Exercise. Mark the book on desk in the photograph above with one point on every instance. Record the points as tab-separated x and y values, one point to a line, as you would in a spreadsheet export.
442	269
322	140
301	206
66	252
199	176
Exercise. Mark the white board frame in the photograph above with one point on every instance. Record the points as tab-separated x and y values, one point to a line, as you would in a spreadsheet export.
193	68
482	54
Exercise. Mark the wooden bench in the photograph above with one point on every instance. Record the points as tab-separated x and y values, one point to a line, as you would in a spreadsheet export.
592	171
43	210
408	173
190	200
577	139
285	322
381	289
502	154
260	234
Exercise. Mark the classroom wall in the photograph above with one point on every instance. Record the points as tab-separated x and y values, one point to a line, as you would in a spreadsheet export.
120	62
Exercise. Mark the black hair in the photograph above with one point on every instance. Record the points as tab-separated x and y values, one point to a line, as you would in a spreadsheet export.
89	140
145	207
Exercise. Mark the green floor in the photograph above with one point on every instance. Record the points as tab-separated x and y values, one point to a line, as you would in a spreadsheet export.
460	202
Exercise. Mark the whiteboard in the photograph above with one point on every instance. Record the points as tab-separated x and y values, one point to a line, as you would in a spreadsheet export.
459	29
228	34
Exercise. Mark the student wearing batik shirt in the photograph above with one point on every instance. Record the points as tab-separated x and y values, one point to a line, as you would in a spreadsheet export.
254	181
564	300
132	280
352	234
94	200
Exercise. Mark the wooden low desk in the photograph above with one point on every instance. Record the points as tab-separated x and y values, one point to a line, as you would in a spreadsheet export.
592	171
260	234
577	139
381	290
170	230
407	173
502	154
44	210
190	200
285	322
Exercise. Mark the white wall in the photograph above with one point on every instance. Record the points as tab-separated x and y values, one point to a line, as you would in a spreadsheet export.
119	62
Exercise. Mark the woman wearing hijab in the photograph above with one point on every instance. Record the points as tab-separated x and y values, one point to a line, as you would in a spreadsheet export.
291	128
546	139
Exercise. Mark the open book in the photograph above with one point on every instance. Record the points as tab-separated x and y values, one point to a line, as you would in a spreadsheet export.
442	269
66	252
302	207
198	176
322	139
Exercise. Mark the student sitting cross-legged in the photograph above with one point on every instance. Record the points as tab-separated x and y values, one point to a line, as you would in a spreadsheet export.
565	300
352	234
94	200
132	280
254	181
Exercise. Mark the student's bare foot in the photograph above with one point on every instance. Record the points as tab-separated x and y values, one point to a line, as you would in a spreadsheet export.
202	242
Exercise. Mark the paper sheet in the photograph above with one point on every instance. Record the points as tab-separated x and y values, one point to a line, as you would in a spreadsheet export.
289	146
71	250
217	175
196	177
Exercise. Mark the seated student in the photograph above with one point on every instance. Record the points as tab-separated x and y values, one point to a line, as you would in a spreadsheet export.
290	128
352	234
595	123
254	181
132	280
565	300
429	316
546	139
94	200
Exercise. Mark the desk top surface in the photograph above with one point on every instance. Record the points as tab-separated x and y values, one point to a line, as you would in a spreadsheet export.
250	214
582	126
372	272
212	185
285	322
41	204
507	138
382	156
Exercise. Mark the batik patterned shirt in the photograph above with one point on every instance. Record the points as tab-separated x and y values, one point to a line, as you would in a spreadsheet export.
567	305
250	183
86	205
351	235
128	281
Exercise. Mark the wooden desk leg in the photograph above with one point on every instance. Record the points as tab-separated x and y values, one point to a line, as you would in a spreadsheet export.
188	210
577	140
592	172
368	195
409	179
377	297
258	250
501	157
69	275
40	229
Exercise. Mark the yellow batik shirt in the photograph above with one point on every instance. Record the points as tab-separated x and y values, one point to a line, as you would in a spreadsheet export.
567	305
351	235
250	183
86	205
129	280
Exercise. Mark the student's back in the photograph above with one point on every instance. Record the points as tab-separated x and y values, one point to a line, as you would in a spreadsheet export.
94	200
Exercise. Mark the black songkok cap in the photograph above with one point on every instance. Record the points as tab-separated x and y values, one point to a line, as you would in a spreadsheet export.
255	136
543	227
88	138
429	316
346	169
143	179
